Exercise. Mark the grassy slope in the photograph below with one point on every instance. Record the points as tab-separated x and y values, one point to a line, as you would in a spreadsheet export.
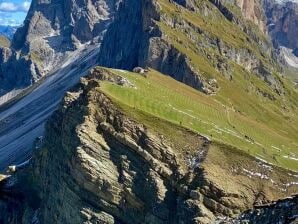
239	115
261	131
243	94
292	74
213	23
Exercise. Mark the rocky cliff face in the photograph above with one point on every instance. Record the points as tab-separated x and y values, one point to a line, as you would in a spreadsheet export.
99	165
64	25
151	44
135	33
282	211
283	29
253	11
282	20
52	31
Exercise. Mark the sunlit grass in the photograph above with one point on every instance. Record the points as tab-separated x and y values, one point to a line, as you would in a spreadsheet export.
165	98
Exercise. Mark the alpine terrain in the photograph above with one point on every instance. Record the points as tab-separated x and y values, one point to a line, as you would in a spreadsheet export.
150	111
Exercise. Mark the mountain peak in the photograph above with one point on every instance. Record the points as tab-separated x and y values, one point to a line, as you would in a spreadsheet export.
52	31
65	24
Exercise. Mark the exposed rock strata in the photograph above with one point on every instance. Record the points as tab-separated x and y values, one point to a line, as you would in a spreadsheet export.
282	22
282	25
52	31
131	36
253	11
99	165
282	211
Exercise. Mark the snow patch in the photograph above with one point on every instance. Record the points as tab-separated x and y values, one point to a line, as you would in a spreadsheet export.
291	184
291	158
274	147
120	70
255	174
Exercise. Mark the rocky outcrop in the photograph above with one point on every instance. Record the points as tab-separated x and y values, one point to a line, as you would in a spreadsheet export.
99	165
167	59
53	31
16	71
282	25
114	170
253	11
131	35
64	25
282	22
282	211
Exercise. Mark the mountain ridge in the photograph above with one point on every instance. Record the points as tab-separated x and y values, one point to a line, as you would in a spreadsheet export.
117	170
41	51
204	130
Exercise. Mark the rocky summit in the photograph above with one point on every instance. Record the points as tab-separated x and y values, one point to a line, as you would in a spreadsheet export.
150	111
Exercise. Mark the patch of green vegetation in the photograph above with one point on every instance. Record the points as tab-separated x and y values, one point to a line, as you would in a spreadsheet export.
193	39
291	73
246	113
216	25
182	44
246	93
233	118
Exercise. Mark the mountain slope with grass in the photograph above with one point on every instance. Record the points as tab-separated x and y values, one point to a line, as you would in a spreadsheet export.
203	131
138	163
273	140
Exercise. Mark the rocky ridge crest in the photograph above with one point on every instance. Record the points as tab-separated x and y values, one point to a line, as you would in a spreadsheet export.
52	32
99	165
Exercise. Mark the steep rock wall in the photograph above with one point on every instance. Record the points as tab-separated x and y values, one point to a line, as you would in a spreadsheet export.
253	11
282	22
53	31
283	29
130	35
